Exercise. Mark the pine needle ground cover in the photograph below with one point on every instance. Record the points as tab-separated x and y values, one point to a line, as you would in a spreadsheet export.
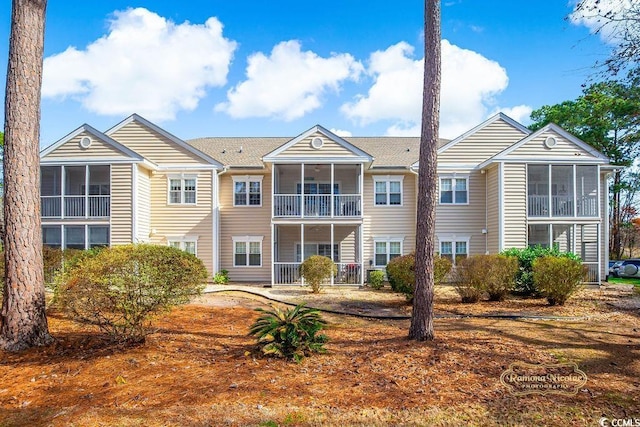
201	369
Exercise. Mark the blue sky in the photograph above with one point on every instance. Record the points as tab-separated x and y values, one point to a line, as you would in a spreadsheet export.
256	68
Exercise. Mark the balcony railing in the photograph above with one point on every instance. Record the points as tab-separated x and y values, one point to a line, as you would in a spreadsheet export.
286	273
75	206
316	205
562	206
592	274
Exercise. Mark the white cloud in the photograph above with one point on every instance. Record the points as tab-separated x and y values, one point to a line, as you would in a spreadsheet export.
342	133
600	16
288	83
145	64
470	83
519	113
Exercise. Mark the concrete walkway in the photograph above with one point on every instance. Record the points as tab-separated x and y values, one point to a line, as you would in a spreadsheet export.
356	301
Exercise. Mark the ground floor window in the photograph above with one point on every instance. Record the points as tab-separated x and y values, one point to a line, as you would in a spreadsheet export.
76	236
185	245
314	248
385	250
558	236
247	251
454	250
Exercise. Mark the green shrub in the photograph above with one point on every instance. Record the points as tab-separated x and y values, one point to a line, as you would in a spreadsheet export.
120	289
292	334
54	259
376	279
316	269
525	284
401	274
501	276
221	278
558	278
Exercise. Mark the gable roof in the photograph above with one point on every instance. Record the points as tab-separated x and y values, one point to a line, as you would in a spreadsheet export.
551	127
358	153
139	119
489	121
96	134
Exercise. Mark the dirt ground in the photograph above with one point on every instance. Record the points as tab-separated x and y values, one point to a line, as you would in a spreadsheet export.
201	369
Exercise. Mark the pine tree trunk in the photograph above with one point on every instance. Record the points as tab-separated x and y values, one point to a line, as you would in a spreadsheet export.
24	323
422	317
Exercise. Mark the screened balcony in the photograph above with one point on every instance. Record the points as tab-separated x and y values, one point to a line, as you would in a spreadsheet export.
562	191
317	191
75	191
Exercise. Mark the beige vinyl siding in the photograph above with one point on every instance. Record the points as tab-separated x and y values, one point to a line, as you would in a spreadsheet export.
154	146
389	221
457	220
493	209
329	148
515	205
143	206
97	150
121	198
180	220
482	145
245	221
536	148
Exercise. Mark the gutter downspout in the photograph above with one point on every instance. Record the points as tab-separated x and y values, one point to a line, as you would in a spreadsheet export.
216	220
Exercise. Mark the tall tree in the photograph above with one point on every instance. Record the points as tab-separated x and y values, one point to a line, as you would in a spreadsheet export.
421	328
619	23
606	116
24	323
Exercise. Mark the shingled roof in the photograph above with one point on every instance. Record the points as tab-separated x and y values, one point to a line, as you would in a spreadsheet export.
245	152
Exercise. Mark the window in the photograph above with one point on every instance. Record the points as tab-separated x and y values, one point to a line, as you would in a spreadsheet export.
182	190
453	191
52	236
247	251
323	249
247	191
98	236
386	250
388	191
187	244
75	236
449	248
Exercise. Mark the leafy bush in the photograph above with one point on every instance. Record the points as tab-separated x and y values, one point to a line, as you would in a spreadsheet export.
558	278
524	279
292	334
401	273
120	289
54	259
317	269
221	278
376	279
470	278
501	276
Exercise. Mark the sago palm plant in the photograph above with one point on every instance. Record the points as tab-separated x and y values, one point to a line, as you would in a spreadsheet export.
292	333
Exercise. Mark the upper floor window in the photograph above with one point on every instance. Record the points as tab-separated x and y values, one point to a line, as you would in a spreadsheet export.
454	191
182	190
247	191
388	190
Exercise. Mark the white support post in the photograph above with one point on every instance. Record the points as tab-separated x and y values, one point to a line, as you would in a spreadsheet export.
575	192
302	207
302	248
86	192
599	230
361	189
332	235
273	190
273	254
361	255
550	193
333	196
62	193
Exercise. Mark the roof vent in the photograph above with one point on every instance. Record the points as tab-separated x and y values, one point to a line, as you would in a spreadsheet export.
317	143
550	142
85	142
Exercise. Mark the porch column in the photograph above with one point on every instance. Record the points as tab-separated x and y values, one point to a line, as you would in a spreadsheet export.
599	278
273	254
302	248
333	196
86	193
361	254
63	176
575	192
273	192
302	192
332	281
361	189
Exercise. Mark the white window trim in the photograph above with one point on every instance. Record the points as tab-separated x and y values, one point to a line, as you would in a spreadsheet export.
453	177
247	179
387	240
247	240
387	179
182	178
453	239
182	240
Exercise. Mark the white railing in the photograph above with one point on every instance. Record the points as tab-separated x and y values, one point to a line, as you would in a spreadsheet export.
316	205
75	206
562	205
587	206
349	273
593	274
51	206
286	273
538	205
